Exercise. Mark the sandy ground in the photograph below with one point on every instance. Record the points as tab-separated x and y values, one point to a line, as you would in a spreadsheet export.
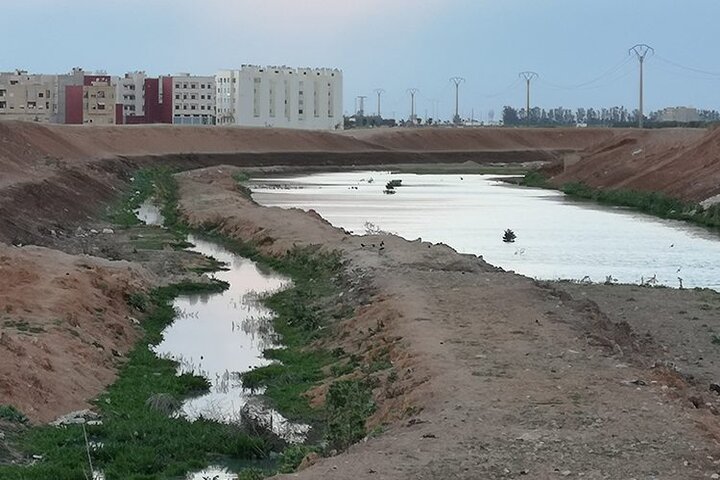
501	376
65	327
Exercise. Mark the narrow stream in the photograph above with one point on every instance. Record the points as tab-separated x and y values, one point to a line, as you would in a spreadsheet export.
221	335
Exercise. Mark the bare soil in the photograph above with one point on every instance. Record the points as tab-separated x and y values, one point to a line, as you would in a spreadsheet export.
65	327
499	376
683	163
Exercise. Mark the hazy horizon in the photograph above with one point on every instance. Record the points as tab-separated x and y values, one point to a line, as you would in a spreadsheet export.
579	49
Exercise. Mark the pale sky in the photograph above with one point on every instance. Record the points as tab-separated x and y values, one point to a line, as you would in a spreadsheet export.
394	45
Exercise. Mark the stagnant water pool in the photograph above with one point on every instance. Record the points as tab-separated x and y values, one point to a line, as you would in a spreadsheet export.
557	238
221	335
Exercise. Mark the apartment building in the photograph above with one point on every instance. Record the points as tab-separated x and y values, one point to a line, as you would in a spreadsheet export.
188	99
130	96
307	98
28	97
92	102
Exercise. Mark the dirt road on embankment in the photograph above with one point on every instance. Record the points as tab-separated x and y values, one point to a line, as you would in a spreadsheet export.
501	376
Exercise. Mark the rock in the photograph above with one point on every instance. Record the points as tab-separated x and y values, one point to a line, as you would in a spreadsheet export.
715	387
108	231
76	418
715	476
93	231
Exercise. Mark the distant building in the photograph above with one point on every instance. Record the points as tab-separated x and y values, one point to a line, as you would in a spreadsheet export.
28	97
307	98
91	102
130	97
678	114
187	99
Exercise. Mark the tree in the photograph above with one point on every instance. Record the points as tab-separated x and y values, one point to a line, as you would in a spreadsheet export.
510	116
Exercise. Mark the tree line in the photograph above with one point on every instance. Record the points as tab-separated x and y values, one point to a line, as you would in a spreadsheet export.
611	117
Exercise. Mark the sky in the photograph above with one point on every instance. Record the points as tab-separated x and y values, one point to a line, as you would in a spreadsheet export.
579	48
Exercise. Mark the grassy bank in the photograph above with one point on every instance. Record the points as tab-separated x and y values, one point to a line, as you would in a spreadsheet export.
139	440
653	203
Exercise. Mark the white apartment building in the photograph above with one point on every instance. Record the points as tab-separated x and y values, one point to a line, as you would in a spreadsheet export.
130	92
305	98
28	97
193	98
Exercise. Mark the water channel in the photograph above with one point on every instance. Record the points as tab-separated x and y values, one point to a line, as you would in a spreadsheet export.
221	335
557	238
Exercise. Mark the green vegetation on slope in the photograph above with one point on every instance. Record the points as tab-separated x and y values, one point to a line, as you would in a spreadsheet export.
653	203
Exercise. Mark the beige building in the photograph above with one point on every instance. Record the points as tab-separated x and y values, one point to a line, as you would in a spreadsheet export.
98	101
192	97
130	94
679	114
28	97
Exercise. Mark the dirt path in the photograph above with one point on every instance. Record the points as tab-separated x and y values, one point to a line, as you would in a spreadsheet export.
499	377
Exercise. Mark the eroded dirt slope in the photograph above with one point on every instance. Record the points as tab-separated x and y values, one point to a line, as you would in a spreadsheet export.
683	163
498	376
64	327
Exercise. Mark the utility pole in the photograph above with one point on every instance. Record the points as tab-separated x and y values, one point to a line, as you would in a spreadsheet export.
528	76
641	51
362	105
457	81
378	92
412	92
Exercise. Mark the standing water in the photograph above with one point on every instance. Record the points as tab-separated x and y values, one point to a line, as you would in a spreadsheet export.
557	238
222	335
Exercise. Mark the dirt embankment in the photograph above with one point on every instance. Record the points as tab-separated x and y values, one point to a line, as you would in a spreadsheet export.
479	139
65	327
683	163
498	376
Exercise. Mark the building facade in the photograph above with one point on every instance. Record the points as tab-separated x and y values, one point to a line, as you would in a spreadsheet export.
678	114
91	102
188	99
28	97
130	95
283	97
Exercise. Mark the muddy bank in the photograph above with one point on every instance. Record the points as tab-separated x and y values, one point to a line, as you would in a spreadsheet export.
496	375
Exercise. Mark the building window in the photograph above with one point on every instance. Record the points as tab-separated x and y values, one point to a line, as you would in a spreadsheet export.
202	85
177	97
177	85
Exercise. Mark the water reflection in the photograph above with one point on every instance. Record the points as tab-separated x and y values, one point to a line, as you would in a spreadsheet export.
221	335
149	213
556	237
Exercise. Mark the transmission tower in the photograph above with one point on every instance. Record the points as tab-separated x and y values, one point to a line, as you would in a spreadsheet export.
641	51
528	77
412	92
362	98
379	92
457	81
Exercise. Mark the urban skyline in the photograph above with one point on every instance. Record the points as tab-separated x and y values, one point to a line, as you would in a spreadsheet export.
579	49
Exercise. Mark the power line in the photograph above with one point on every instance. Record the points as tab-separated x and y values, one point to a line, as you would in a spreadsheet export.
606	73
690	69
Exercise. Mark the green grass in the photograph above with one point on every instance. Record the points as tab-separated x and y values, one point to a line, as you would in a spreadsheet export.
653	203
139	441
349	403
12	414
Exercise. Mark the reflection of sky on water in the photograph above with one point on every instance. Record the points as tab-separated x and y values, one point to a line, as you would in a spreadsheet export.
556	237
220	335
